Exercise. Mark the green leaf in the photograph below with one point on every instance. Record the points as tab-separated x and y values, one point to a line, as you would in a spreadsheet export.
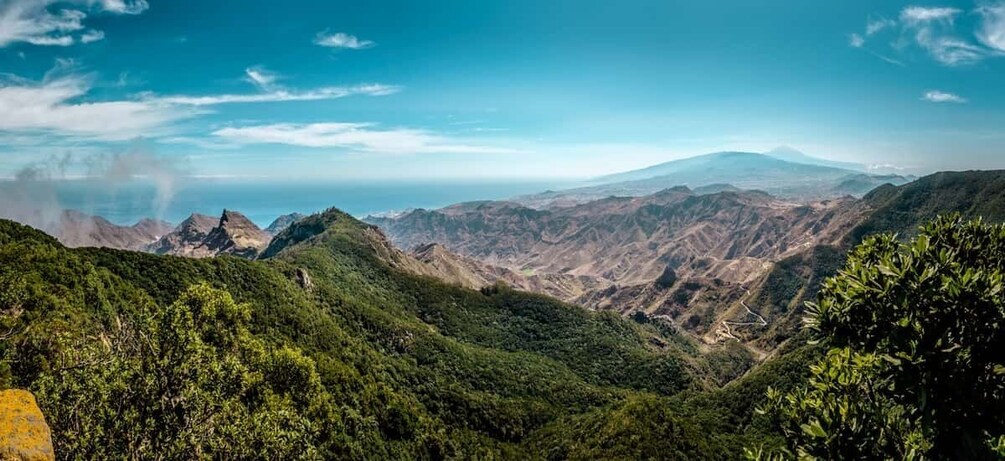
813	429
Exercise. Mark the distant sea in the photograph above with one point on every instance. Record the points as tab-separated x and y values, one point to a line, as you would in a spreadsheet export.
264	201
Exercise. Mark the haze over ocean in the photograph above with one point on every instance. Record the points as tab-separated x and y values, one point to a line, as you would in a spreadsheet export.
263	201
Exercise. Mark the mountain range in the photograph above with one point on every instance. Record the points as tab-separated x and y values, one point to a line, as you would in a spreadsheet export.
717	241
725	265
783	173
333	336
689	255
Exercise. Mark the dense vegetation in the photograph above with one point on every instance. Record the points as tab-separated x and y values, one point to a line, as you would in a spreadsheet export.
327	350
135	355
915	369
904	209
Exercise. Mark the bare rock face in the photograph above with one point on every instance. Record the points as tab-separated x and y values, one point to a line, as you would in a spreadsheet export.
236	235
24	435
202	236
468	272
188	235
632	240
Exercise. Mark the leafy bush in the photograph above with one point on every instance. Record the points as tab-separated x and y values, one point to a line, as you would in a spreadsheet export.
917	370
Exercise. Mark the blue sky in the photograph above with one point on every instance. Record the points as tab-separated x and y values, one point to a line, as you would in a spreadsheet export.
509	89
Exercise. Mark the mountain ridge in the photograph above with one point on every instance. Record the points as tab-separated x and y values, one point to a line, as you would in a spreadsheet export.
798	181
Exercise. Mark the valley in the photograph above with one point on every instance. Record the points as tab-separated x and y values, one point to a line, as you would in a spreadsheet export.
502	230
503	328
705	261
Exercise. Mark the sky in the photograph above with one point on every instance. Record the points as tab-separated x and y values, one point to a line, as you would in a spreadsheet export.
496	89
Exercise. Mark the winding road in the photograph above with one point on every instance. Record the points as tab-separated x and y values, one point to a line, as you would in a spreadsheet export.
760	320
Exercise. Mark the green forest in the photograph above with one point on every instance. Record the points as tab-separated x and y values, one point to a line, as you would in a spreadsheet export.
324	350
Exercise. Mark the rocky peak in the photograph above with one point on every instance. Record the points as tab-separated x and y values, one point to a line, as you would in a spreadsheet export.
201	236
188	235
198	224
236	234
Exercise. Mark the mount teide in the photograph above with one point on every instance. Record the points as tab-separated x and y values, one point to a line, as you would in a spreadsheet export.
784	173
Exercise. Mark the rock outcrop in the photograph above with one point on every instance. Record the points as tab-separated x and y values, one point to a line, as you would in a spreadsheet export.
24	435
186	237
304	279
235	235
201	236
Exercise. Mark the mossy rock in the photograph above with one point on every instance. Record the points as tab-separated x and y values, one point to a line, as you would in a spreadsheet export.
24	435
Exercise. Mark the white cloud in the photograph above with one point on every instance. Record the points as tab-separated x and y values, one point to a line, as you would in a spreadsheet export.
42	40
261	77
856	40
58	105
948	50
92	36
991	31
53	106
918	14
341	40
876	25
941	96
55	23
124	7
334	92
934	30
355	136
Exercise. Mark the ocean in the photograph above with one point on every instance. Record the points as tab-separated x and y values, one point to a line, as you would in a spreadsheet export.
263	201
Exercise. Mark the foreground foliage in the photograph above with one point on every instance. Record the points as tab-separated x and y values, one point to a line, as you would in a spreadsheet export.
916	368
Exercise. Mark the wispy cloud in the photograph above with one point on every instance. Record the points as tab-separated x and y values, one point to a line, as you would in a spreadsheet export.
123	6
856	40
934	30
261	77
334	92
341	40
35	22
920	14
942	97
92	36
991	32
876	25
52	106
365	137
57	105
